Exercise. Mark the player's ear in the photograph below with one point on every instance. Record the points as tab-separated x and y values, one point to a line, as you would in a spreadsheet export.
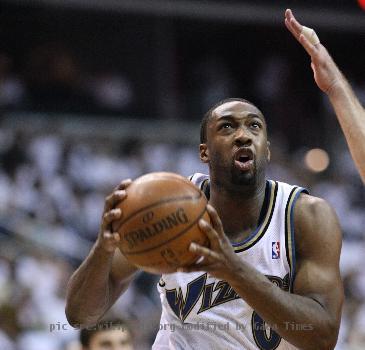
268	155
204	153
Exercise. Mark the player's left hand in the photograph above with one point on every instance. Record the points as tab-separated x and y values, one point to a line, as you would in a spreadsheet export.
326	73
220	259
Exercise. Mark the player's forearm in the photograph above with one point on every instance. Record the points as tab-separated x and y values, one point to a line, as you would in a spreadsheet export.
300	320
90	290
351	116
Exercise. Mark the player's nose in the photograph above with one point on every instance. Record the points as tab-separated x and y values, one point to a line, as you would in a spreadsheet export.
242	137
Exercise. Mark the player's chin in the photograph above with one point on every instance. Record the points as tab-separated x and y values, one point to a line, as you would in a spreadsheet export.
243	178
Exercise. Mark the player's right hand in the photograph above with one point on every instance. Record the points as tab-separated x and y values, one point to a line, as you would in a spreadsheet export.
107	239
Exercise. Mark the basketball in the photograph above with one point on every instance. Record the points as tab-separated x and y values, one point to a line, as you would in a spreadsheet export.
160	220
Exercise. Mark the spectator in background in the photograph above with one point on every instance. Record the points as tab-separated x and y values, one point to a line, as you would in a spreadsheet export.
54	79
110	90
12	90
107	335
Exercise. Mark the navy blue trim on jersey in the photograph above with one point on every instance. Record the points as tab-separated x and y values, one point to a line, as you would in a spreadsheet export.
290	232
269	203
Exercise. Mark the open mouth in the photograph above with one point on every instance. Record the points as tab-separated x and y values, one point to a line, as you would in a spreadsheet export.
243	159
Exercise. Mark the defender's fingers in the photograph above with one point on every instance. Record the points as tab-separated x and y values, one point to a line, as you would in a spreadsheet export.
291	29
297	29
308	46
114	198
294	24
216	221
303	40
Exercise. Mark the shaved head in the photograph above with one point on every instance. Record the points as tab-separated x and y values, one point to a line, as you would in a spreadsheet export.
209	114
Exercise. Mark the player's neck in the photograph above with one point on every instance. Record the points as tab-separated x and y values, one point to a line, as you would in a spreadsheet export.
239	211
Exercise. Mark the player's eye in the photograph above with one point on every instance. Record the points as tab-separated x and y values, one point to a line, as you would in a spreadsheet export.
226	126
256	125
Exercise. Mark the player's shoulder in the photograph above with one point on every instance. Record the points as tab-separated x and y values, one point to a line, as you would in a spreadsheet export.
316	221
317	228
310	212
313	207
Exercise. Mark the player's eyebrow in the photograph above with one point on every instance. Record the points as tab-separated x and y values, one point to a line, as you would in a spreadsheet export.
229	115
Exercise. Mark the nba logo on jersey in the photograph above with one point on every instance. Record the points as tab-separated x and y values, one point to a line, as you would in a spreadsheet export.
275	250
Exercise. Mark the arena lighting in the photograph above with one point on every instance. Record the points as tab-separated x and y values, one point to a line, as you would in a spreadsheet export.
317	160
362	4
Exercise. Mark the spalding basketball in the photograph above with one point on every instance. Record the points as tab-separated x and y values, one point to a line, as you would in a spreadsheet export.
160	220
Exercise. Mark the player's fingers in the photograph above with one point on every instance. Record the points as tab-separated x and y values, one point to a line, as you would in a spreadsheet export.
116	236
109	217
203	251
216	221
124	184
111	236
114	198
210	232
203	265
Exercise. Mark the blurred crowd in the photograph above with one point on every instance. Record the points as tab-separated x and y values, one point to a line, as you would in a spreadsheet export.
52	80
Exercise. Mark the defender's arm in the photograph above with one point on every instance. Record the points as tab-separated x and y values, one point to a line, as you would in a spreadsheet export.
349	111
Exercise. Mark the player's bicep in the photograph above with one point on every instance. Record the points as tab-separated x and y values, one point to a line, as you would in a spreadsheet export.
318	252
322	284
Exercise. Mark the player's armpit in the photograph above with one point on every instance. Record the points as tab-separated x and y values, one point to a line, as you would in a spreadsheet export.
318	246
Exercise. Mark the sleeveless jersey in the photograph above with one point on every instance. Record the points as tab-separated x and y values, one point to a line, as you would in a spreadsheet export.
201	312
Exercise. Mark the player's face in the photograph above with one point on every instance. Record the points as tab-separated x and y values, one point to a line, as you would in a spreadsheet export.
237	148
111	340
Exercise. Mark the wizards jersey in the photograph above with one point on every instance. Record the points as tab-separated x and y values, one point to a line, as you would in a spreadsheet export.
201	312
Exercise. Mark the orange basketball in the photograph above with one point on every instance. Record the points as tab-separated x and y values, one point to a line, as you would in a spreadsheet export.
160	220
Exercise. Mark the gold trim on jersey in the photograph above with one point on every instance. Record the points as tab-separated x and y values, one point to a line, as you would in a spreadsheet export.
256	236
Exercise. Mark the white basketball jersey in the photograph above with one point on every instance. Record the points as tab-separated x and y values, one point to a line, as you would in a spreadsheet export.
201	312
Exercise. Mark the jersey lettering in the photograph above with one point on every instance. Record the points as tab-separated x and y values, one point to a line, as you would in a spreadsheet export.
182	306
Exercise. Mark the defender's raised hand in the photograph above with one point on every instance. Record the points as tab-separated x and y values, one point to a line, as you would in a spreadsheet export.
108	239
326	73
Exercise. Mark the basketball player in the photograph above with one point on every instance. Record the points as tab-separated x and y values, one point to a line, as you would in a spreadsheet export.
331	81
270	278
